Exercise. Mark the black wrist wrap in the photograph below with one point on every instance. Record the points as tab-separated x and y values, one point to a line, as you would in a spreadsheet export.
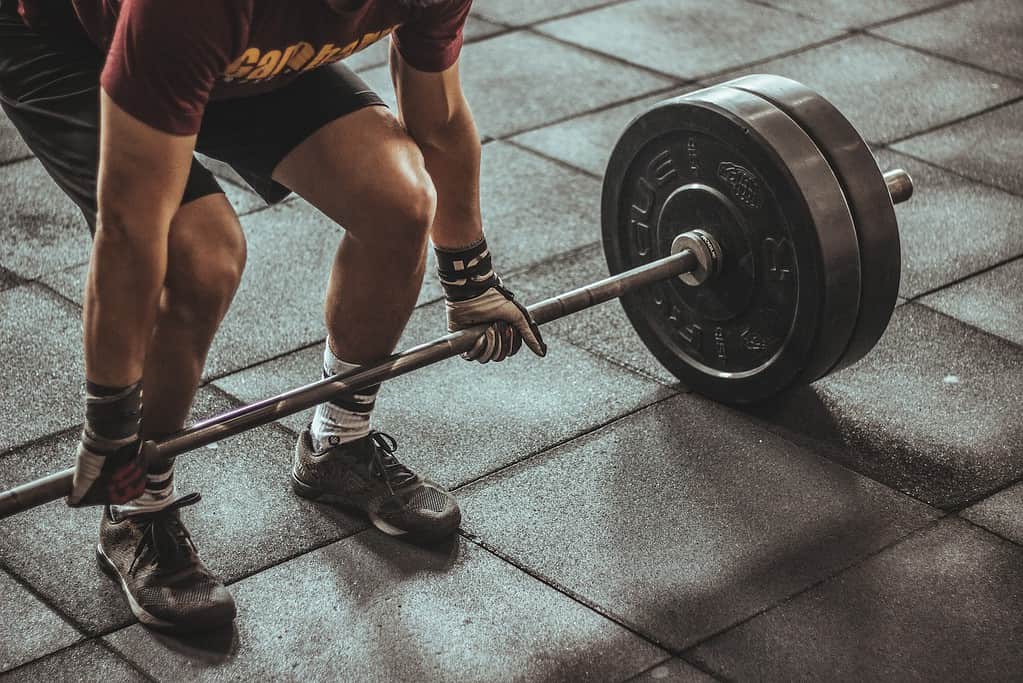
466	273
112	414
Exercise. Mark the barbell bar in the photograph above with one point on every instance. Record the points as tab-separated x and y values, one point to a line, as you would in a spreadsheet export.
695	254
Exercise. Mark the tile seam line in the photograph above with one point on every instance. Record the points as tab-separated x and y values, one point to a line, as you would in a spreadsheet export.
940	55
558	587
546	450
667	660
970	325
889	147
109	647
996	534
16	160
913	14
31	443
557	17
606	56
855	564
79	629
24	665
666	90
898	17
704	79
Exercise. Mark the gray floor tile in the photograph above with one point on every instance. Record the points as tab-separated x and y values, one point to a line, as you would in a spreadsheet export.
29	628
534	208
11	145
854	14
373	609
983	32
604	330
673	37
586	142
456	420
518	81
673	671
1001	513
685	518
889	92
987	147
68	282
943	605
40	228
249	519
933	410
990	301
279	305
530	11
41	347
938	227
89	661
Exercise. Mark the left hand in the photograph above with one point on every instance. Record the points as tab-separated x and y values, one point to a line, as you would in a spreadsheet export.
511	325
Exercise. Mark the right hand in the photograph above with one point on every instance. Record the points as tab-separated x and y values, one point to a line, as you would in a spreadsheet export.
110	479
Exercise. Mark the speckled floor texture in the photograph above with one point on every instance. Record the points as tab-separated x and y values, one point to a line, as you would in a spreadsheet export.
616	527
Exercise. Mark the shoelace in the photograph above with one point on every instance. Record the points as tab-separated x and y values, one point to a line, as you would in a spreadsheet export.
385	465
165	539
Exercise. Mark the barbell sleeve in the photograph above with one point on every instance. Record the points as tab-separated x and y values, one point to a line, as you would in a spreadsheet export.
900	185
243	418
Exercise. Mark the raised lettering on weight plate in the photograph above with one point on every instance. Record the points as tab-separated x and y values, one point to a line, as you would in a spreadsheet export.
744	185
777	257
693	155
719	345
692	335
639	216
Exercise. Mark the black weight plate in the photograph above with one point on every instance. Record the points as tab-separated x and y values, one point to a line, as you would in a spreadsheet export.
856	168
783	307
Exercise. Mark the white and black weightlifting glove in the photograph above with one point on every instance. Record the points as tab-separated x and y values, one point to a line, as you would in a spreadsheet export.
475	295
111	462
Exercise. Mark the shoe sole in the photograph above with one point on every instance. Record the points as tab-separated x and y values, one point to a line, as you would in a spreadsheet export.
144	617
321	496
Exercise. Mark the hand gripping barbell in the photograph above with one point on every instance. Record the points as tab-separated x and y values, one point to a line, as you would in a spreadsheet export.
751	238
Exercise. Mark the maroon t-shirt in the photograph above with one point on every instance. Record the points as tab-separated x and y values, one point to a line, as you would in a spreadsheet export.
167	58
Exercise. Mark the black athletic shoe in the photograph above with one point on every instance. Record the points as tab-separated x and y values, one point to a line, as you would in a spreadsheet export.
158	566
364	475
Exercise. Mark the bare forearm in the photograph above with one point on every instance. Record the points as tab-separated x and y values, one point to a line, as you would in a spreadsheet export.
452	158
122	293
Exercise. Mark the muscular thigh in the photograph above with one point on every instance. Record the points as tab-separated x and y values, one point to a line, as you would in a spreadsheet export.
358	170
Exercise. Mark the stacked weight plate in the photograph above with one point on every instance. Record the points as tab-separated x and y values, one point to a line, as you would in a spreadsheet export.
784	182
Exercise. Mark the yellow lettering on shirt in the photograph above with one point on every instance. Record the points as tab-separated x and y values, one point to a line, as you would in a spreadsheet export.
241	67
267	64
257	65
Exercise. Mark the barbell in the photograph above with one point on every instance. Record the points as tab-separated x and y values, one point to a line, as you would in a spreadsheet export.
750	236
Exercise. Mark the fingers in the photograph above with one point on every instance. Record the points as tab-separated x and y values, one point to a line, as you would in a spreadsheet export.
500	341
530	332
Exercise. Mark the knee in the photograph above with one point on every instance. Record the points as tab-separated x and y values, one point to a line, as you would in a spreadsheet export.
203	279
410	215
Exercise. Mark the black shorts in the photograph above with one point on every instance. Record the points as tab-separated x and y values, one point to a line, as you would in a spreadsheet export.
49	88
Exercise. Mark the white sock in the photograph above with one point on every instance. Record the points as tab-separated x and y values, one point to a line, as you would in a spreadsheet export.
346	418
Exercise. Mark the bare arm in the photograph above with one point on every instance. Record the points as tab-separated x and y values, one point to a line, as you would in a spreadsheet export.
142	175
434	111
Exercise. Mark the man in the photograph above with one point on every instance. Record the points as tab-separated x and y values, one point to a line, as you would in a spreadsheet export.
113	98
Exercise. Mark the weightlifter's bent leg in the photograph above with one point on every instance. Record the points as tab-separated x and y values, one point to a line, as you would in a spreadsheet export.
366	173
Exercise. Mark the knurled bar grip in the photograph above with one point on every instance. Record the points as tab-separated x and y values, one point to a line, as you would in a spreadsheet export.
58	485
